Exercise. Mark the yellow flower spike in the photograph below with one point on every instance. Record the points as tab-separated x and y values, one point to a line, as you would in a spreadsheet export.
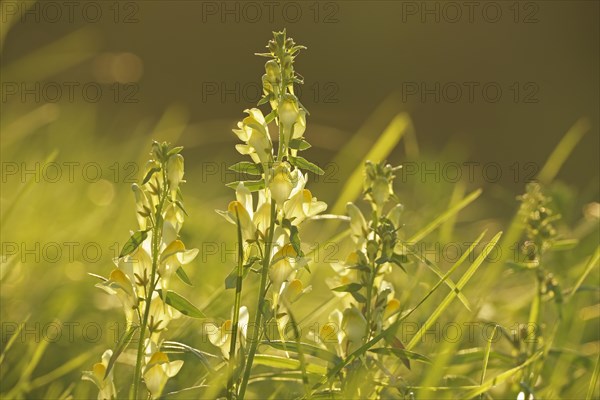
281	184
391	308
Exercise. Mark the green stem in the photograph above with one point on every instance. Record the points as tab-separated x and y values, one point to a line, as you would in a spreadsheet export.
254	337
236	308
156	234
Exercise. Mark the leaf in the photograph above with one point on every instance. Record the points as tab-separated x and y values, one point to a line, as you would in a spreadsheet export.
359	297
459	286
181	304
149	174
500	378
387	331
294	237
299	144
594	380
303	163
401	353
270	116
350	287
174	150
382	148
183	276
252	186
279	362
398	260
133	243
121	346
247	167
307	348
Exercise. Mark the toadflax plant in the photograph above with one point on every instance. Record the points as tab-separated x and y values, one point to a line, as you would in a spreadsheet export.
268	212
142	278
369	305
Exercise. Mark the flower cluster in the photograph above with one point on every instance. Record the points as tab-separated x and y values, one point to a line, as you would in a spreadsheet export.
368	299
538	219
268	211
143	271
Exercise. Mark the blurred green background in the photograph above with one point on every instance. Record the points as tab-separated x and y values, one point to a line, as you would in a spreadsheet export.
85	90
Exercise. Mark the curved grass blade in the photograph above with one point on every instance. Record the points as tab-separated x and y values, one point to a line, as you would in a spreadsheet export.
121	346
380	150
461	283
501	378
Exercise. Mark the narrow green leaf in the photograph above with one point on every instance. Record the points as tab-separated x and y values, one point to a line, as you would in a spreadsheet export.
149	174
350	287
459	286
563	150
247	167
121	346
303	163
594	380
133	243
252	186
183	276
174	150
592	262
388	140
287	363
359	297
181	304
444	216
401	353
307	348
486	357
299	144
500	378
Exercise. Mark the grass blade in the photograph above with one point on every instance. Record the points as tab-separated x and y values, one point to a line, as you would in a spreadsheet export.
380	150
501	378
461	283
563	150
594	380
445	216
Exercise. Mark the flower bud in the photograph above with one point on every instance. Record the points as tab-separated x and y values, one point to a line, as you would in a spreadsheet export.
175	173
289	112
281	184
273	71
354	325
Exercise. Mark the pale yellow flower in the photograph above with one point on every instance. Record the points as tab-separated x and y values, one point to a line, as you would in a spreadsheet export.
120	285
220	336
253	130
281	184
158	371
106	386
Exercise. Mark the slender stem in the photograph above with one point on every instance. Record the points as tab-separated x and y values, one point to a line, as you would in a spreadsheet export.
156	234
254	337
236	308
